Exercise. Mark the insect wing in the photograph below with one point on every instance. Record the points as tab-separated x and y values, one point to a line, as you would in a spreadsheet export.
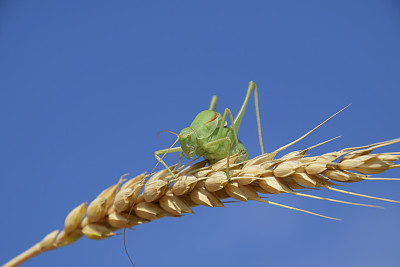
205	123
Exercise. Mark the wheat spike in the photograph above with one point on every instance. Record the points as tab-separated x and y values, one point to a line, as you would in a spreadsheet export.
144	198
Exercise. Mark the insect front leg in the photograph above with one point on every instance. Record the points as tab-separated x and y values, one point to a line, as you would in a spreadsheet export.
217	142
166	151
180	159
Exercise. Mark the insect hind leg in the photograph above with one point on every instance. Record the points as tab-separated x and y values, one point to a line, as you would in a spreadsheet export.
238	119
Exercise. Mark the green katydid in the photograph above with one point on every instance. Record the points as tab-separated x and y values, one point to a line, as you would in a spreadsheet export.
208	136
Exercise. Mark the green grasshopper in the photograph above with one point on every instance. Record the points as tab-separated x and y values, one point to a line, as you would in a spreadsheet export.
208	136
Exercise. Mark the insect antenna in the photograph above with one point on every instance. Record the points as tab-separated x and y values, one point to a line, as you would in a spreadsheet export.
158	137
144	182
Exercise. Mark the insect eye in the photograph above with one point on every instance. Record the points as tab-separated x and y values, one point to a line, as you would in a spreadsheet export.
225	124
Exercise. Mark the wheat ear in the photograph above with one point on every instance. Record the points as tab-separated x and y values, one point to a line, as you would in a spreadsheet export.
143	199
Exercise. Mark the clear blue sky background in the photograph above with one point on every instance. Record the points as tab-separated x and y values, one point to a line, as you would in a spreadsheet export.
86	85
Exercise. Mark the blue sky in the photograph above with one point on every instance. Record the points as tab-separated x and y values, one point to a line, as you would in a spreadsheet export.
86	85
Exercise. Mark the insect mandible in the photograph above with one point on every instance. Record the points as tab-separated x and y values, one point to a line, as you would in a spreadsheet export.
209	137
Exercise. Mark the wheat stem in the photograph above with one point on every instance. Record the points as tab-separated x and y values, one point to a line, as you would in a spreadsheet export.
26	255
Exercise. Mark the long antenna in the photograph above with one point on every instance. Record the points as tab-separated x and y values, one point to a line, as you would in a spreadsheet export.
144	182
